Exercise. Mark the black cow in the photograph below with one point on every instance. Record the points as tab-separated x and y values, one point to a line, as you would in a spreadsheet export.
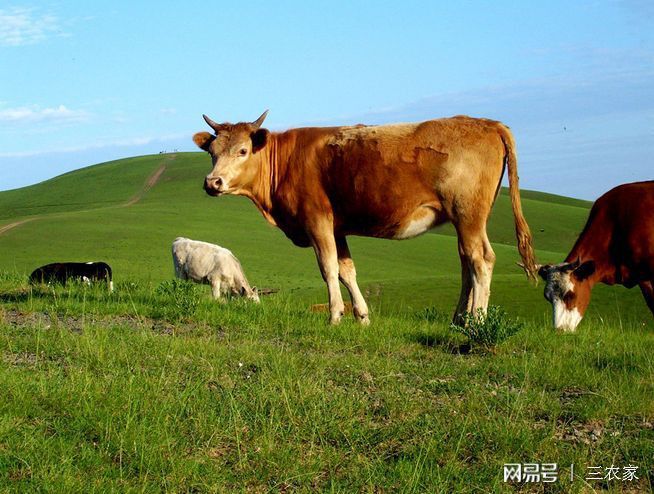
61	272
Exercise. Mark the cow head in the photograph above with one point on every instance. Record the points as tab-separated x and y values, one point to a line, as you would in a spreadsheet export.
234	152
253	295
567	288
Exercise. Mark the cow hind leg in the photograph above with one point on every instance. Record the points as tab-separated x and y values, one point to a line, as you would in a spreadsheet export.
477	254
465	298
348	276
181	274
647	287
489	260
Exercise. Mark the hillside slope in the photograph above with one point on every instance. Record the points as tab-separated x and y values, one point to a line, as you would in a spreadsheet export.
108	212
124	182
92	187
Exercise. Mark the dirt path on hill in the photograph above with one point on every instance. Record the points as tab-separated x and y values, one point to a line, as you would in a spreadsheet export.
8	227
149	183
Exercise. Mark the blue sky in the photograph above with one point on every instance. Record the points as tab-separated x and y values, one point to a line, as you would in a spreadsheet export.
86	82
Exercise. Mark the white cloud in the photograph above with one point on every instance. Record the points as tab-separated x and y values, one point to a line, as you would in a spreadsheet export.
31	114
23	26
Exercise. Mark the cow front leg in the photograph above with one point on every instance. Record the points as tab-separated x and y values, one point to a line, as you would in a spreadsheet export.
217	290
348	276
324	246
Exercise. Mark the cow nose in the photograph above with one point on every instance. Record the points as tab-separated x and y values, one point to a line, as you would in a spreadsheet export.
213	184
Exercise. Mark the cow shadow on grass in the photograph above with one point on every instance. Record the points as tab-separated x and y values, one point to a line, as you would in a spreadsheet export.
447	344
20	295
446	341
14	297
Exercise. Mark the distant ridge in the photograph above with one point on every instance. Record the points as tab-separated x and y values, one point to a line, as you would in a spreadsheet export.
149	184
105	184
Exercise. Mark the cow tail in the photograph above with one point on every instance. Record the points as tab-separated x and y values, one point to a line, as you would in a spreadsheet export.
522	232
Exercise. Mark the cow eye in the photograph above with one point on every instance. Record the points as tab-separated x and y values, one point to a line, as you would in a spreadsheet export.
569	297
243	152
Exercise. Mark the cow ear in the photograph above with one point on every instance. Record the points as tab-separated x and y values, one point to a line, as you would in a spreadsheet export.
203	140
259	139
585	270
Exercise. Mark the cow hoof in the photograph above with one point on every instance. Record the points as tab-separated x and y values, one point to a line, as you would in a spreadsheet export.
362	319
335	318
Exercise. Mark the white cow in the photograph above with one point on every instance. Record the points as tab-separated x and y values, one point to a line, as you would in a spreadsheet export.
212	265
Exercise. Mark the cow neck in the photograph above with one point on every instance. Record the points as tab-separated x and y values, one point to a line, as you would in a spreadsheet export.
592	245
265	183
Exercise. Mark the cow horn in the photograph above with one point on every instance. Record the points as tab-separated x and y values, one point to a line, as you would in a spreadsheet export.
215	126
257	123
537	268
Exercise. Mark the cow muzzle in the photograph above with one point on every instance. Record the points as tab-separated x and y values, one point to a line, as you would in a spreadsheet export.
214	185
565	319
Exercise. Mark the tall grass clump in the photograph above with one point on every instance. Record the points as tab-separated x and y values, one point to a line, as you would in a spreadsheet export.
487	330
181	299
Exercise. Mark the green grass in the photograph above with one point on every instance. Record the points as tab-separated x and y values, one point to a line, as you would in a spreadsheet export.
99	393
158	388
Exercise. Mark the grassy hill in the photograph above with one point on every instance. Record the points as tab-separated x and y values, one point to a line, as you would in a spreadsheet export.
99	186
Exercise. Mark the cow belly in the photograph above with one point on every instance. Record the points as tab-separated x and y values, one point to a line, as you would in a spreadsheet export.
422	219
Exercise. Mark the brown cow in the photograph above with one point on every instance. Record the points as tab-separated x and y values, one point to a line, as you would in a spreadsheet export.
615	247
320	184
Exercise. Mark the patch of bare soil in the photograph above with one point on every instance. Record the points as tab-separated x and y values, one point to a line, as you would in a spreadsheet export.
580	432
26	359
19	319
325	308
47	320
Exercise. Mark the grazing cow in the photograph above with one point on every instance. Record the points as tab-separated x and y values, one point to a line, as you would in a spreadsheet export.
615	247
390	181
212	265
61	272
